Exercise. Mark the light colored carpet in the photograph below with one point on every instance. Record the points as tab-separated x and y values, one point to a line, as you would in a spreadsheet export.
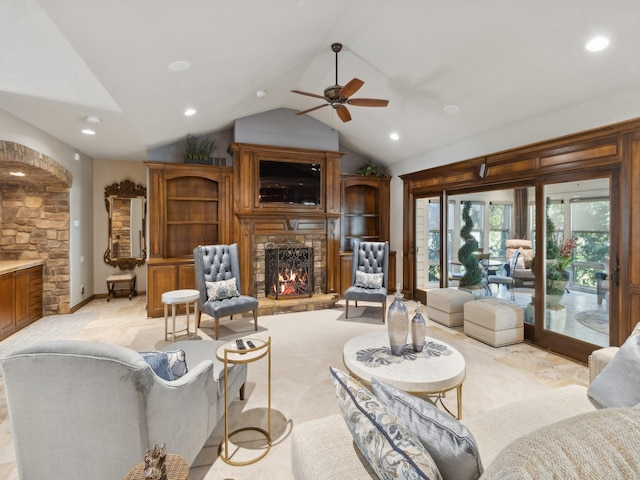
596	319
304	345
53	327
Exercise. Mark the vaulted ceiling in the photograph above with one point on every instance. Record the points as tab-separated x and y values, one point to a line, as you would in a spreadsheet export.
498	62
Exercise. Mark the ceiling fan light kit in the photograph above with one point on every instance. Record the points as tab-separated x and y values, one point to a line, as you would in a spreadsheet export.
338	96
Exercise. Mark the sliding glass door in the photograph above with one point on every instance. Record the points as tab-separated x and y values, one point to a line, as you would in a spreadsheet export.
577	266
561	280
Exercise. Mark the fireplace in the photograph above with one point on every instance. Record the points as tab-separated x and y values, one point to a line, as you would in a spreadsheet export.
288	270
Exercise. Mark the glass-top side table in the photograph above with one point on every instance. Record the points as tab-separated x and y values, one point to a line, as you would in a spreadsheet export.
229	354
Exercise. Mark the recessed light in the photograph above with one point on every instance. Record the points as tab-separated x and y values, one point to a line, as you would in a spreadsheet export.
394	136
190	111
451	110
179	66
17	174
92	119
597	44
88	131
261	93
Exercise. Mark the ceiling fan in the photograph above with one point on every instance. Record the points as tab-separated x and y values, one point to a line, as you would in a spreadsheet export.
338	96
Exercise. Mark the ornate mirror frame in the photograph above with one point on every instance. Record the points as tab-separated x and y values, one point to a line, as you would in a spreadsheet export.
122	196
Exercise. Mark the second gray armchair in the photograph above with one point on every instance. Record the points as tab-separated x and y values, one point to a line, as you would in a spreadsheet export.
369	275
217	271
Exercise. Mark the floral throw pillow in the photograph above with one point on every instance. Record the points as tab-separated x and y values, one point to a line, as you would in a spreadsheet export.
221	290
369	280
391	448
177	362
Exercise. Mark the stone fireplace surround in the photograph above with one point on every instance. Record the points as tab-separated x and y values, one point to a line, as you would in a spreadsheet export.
317	242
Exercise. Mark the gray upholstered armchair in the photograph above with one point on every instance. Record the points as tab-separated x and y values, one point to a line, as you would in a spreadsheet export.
369	275
86	410
219	264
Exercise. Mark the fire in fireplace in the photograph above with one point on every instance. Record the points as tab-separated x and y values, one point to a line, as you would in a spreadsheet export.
288	270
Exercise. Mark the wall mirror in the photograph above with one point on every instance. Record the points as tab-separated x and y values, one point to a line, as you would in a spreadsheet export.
126	206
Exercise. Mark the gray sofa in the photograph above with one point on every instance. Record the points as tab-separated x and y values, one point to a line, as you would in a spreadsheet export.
557	435
86	410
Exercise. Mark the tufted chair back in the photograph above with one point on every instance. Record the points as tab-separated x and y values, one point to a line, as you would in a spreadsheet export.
371	257
216	263
220	262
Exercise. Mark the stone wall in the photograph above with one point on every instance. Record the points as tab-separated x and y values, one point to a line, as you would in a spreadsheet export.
34	219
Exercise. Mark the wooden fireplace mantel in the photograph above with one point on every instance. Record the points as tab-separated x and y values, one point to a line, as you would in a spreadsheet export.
252	217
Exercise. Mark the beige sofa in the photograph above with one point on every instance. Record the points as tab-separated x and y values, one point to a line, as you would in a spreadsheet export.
522	439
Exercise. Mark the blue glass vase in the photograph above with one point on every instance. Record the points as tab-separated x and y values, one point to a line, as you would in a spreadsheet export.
418	330
398	324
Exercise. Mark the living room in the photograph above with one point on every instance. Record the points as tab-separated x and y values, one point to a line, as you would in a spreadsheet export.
84	276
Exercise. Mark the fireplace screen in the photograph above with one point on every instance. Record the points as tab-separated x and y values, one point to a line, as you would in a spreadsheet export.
288	270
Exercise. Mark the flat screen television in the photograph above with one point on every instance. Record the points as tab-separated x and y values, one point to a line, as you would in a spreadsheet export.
289	182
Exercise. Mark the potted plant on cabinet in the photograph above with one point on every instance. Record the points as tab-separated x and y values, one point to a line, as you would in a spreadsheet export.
198	149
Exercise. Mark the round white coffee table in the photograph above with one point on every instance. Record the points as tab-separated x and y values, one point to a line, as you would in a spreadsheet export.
434	371
176	297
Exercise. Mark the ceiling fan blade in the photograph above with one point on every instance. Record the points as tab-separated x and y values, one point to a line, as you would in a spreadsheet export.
311	109
343	113
350	88
308	94
368	102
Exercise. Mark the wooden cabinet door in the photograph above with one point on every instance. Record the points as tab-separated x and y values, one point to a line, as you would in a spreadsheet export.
7	305
161	278
21	279
187	276
35	293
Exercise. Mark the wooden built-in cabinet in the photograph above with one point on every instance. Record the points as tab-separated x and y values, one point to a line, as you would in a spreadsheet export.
364	202
164	275
20	298
189	205
364	216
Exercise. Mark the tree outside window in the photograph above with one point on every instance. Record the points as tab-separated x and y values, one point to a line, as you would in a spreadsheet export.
499	228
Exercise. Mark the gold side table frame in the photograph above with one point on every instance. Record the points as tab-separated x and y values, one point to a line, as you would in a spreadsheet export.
231	355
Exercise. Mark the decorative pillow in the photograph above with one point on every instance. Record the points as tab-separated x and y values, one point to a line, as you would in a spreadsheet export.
369	280
177	362
449	442
390	448
159	363
223	289
618	384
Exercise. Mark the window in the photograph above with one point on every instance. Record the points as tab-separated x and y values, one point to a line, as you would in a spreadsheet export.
433	241
499	228
590	227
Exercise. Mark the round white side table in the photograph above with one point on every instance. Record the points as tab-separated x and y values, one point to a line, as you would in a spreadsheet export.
177	297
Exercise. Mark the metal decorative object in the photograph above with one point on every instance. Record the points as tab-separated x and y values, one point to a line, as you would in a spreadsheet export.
418	330
398	324
154	463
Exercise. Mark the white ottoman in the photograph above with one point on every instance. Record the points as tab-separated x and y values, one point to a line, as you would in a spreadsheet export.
446	305
494	322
